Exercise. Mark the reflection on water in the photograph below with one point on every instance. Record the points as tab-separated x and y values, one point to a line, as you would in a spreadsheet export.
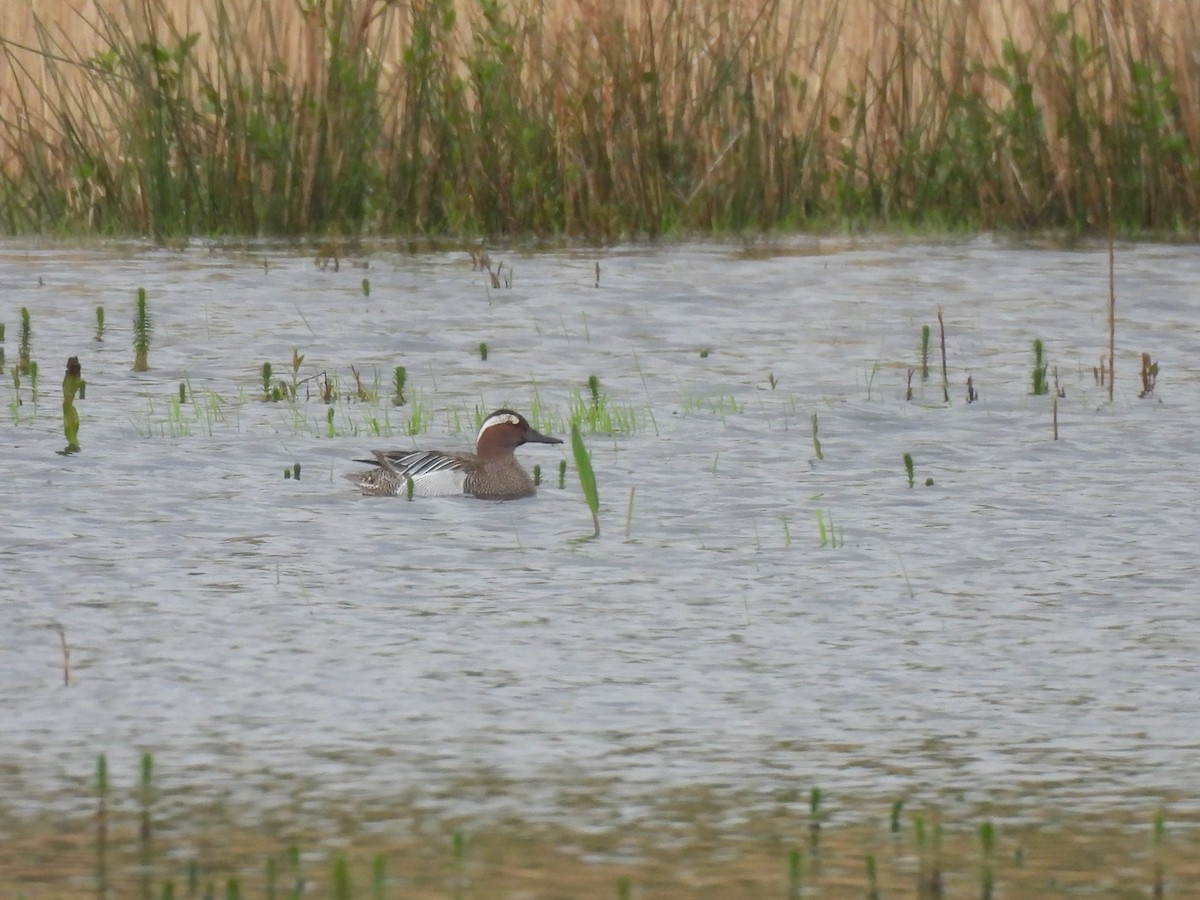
1024	627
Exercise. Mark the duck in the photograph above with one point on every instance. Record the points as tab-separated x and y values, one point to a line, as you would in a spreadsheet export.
492	472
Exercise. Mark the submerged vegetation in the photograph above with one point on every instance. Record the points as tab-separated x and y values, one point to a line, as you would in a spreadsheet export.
359	116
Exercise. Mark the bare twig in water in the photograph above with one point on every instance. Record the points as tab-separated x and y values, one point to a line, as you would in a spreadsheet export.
66	653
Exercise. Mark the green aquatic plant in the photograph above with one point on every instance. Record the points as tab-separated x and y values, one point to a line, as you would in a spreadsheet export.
146	831
265	374
33	381
366	287
925	334
24	342
942	343
99	323
908	469
562	474
795	874
102	825
587	477
872	878
483	351
987	874
378	877
142	329
537	475
1040	386
629	513
894	818
341	879
72	385
399	378
816	442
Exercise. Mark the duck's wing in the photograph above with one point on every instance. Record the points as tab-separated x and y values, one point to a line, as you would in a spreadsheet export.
432	472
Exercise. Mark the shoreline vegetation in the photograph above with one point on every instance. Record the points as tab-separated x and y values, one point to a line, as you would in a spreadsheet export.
600	122
170	840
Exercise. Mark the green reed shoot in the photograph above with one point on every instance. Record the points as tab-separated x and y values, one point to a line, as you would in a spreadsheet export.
33	380
909	469
483	351
787	532
265	374
341	879
987	876
1160	839
815	815
378	877
99	323
72	385
894	820
594	388
1	332
458	848
942	341
537	475
815	440
562	474
795	873
330	430
925	333
624	888
299	882
183	391
25	342
146	792
399	378
629	513
587	477
872	878
102	825
142	329
296	471
1040	385
822	533
233	889
366	287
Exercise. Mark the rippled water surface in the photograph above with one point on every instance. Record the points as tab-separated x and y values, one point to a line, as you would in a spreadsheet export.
1027	626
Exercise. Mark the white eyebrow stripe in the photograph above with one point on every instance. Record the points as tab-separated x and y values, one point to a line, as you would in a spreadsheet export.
502	419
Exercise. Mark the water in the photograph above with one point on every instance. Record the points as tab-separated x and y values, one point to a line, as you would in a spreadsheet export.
1023	628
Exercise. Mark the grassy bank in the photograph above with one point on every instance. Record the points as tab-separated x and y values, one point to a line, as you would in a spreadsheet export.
168	118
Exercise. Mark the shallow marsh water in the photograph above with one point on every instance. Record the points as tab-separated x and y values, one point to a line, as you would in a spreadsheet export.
1019	637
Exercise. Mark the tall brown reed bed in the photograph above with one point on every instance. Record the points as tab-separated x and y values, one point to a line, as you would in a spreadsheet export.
168	117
